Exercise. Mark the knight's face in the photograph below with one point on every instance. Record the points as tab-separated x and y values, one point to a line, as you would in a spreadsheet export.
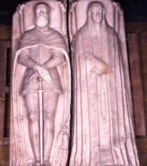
42	15
97	14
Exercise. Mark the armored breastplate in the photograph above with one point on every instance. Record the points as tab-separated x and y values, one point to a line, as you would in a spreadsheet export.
40	53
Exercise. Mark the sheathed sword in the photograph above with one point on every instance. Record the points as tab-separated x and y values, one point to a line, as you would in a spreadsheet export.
40	95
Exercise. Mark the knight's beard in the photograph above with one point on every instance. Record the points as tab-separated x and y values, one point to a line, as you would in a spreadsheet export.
41	21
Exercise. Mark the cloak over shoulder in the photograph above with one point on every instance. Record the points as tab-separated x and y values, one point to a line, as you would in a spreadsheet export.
20	141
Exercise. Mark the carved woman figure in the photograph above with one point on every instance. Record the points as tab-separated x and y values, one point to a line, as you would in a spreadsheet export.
102	132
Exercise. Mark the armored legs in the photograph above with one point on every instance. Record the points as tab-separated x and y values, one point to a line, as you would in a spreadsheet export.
50	101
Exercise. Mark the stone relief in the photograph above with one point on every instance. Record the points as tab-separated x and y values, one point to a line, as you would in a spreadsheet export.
41	93
102	129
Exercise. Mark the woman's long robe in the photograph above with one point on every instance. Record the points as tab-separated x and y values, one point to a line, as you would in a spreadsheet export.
103	131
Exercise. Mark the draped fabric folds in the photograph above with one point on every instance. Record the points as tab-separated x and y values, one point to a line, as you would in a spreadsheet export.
102	130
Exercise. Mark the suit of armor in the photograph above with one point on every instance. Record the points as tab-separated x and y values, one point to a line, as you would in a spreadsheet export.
40	54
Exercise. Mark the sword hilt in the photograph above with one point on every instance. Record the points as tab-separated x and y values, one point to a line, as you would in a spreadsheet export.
40	83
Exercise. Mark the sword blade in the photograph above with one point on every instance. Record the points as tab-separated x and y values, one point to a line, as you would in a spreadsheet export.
41	121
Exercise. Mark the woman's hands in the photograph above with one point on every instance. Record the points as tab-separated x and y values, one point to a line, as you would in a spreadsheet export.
100	68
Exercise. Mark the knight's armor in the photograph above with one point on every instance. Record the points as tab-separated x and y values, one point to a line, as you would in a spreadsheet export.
40	54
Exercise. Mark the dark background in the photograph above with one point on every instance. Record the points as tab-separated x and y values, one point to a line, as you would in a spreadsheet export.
134	10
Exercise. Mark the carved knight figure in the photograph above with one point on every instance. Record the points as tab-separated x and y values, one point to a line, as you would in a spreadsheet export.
41	86
102	132
103	129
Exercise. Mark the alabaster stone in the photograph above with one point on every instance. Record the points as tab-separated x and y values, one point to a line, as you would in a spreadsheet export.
40	86
103	132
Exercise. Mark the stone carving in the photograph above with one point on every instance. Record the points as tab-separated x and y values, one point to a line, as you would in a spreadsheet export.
103	129
41	88
102	132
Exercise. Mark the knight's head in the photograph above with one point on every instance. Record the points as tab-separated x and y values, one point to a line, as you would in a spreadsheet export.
42	14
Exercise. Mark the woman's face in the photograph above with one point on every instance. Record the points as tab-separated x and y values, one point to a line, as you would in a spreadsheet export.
97	14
